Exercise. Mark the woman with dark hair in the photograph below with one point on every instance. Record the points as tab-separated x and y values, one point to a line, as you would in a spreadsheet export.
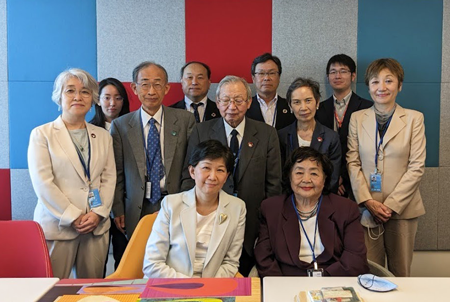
303	97
200	232
113	103
307	231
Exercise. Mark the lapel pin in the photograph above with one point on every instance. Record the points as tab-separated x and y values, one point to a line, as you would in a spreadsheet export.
174	133
284	110
213	114
222	218
320	139
250	144
93	135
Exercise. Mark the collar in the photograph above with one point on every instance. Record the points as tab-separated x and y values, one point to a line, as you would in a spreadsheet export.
145	117
344	101
240	128
263	103
188	102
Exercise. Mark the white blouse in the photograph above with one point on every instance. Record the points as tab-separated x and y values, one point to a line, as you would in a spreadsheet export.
203	233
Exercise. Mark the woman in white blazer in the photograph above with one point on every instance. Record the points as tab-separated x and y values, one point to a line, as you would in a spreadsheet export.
72	169
200	232
386	161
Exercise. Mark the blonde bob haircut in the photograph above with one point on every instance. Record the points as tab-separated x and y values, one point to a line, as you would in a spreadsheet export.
374	69
88	82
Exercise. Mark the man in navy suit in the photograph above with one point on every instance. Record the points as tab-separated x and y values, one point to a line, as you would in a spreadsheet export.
195	82
267	106
335	112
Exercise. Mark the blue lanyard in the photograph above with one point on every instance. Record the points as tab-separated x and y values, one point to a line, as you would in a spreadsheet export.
275	115
311	246
86	168
236	160
378	145
149	161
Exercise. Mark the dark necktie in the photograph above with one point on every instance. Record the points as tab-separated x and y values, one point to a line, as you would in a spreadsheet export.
196	114
156	171
234	146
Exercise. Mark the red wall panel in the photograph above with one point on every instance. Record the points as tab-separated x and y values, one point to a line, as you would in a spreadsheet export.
5	194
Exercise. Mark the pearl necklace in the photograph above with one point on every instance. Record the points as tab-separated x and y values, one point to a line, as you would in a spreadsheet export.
306	215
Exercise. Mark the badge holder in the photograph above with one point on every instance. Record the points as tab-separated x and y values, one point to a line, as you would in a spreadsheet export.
375	181
315	272
94	198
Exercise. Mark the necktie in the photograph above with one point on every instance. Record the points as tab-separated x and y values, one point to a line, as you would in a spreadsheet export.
155	167
196	114
234	146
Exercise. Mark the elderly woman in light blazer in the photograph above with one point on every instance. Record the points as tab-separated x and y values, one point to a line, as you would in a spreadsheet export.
386	161
72	169
200	232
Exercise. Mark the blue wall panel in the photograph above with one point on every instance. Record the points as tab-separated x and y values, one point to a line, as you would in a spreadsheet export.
415	39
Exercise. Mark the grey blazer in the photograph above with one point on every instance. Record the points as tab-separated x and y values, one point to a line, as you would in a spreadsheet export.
129	153
259	167
170	251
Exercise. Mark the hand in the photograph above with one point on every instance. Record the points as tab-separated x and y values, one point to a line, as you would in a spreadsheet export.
341	189
76	222
379	211
88	223
120	223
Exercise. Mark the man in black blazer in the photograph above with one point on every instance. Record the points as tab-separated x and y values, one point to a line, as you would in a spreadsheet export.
267	106
195	82
335	112
257	172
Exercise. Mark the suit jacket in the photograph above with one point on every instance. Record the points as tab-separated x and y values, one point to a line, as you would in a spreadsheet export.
259	172
324	140
284	115
170	251
131	161
325	115
211	110
401	160
278	246
59	180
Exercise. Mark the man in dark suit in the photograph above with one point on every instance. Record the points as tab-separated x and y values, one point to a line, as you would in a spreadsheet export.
335	112
267	106
257	170
195	81
149	149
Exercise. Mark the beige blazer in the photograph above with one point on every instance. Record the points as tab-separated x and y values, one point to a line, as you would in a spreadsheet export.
170	251
59	180
401	160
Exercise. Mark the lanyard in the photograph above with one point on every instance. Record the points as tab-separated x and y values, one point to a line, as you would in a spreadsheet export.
274	115
149	161
336	116
236	160
378	145
86	168
311	246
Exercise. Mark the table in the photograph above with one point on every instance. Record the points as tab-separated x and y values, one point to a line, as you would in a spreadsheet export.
24	289
276	289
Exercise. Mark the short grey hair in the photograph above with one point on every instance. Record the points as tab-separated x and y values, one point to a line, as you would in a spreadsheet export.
146	64
234	79
88	82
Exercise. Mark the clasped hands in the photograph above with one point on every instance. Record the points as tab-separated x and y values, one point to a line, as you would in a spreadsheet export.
379	211
86	223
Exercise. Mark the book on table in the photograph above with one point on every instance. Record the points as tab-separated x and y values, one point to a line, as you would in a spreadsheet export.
334	294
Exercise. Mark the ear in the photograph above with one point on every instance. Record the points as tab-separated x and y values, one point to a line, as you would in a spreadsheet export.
192	171
353	76
133	87
249	102
253	79
400	88
166	89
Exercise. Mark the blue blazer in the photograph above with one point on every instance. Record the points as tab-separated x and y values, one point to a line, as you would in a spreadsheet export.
324	140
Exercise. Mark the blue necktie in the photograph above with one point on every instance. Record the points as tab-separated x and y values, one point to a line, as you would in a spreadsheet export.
196	113
155	165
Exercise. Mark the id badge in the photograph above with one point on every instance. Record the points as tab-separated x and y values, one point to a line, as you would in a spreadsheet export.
94	198
148	190
375	182
312	272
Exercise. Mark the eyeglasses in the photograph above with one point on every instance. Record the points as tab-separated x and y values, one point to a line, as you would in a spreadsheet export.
227	101
270	74
107	98
342	72
145	86
85	93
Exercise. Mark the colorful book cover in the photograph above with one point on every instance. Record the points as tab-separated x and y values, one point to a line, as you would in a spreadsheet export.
98	298
109	289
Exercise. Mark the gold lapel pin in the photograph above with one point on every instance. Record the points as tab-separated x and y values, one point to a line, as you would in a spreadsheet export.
284	110
93	135
222	218
250	144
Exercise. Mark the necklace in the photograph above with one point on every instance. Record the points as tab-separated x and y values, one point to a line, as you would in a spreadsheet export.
308	214
76	142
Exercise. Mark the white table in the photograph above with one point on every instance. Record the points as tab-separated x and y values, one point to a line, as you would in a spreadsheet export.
277	289
24	289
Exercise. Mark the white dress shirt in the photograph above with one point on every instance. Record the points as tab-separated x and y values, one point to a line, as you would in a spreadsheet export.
201	109
240	129
268	110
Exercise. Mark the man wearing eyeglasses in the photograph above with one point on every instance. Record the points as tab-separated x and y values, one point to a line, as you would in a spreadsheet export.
257	170
149	148
267	106
195	82
335	112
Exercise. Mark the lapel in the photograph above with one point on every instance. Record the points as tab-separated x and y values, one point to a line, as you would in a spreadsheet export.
219	228
291	230
249	139
353	105
63	137
188	218
369	123
95	147
217	131
326	229
171	132
328	108
292	138
254	111
211	110
136	139
318	136
396	125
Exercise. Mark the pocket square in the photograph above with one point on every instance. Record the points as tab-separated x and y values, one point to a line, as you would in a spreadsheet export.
222	218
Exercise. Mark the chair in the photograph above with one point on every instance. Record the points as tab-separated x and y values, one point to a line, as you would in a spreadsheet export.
24	252
130	266
378	270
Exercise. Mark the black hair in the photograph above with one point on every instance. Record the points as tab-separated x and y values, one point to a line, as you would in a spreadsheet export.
264	58
342	59
212	149
208	70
